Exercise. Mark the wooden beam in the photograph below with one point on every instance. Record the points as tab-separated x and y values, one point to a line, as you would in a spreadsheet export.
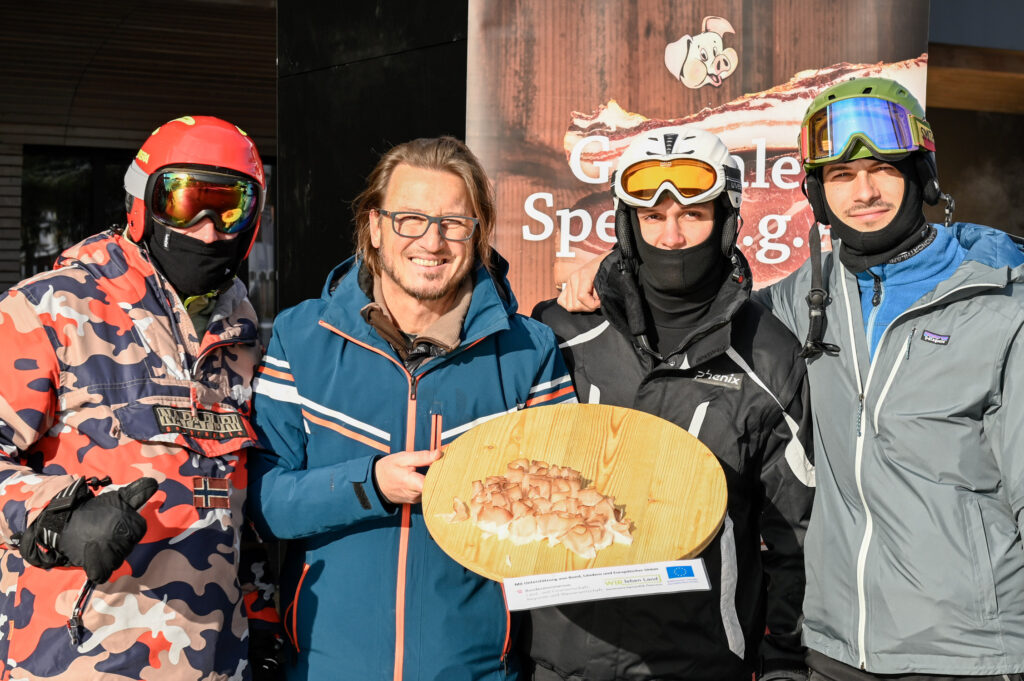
975	78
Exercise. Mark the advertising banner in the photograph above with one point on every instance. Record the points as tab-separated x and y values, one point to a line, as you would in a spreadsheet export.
556	90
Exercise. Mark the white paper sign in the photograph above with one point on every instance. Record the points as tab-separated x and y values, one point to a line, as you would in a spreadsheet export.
538	591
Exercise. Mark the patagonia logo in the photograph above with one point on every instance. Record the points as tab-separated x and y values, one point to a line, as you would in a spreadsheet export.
731	381
202	424
211	493
936	338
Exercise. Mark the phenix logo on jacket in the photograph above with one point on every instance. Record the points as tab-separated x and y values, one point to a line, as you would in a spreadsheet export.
368	593
103	375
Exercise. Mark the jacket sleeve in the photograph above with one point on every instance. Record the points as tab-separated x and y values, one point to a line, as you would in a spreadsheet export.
783	299
257	579
787	476
1005	427
29	376
552	384
288	500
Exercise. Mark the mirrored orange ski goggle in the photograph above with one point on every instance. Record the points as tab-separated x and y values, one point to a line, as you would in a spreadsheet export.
180	198
688	179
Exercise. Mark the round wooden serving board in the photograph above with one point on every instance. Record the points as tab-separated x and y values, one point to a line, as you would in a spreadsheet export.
671	485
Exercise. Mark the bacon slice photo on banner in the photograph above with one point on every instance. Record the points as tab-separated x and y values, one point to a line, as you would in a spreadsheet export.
760	129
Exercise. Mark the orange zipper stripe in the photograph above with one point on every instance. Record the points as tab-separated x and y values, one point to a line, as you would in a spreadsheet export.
403	551
275	373
365	346
435	431
550	396
403	541
347	433
293	632
508	624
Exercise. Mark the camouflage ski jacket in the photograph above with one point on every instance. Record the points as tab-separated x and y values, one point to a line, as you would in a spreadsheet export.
102	374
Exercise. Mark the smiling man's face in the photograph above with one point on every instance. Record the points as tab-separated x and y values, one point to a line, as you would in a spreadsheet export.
865	194
429	267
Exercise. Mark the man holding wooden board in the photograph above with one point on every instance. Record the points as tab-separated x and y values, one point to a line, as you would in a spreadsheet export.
414	341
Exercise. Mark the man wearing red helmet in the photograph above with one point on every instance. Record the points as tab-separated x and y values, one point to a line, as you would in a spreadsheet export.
128	367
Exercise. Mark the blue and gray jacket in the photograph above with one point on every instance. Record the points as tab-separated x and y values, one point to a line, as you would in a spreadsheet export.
915	562
367	594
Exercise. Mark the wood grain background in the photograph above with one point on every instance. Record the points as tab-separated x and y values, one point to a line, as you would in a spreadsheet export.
531	63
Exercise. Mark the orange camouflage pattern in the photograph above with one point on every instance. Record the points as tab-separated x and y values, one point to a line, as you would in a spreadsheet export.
102	374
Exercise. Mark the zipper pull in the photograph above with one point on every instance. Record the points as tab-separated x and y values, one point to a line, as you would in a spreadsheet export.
192	397
74	623
860	413
876	296
97	483
910	339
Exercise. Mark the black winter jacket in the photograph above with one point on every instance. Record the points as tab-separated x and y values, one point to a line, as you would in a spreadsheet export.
738	384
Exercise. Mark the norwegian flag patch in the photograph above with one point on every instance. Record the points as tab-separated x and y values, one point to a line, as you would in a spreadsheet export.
211	493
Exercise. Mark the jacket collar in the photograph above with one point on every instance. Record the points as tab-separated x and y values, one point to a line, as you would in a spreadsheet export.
710	338
993	260
489	311
123	269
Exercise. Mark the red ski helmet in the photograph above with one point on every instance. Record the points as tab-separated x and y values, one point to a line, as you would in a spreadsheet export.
201	143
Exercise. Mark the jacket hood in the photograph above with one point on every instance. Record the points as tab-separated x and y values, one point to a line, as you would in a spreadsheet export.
618	294
344	295
106	254
988	246
116	262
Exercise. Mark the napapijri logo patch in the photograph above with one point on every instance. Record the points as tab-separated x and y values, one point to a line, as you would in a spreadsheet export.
731	381
936	338
204	423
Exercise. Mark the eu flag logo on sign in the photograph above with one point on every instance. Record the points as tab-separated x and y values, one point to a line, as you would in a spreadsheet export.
679	571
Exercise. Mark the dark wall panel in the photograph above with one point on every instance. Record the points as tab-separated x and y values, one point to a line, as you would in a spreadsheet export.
315	34
354	79
981	163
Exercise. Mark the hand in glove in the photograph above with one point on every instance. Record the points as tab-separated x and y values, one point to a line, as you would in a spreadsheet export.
267	654
95	533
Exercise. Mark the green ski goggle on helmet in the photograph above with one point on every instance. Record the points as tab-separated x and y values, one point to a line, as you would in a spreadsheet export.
885	128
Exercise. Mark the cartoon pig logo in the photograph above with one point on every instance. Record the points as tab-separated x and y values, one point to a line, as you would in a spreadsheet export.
702	59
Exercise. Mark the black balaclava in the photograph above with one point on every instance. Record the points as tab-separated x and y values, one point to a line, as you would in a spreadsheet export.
862	250
679	286
194	267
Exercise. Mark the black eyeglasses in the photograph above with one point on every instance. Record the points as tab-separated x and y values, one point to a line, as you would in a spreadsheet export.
413	225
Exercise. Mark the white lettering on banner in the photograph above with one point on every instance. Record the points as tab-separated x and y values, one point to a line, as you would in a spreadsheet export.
606	226
576	225
768	244
549	224
566	237
759	182
789	166
603	167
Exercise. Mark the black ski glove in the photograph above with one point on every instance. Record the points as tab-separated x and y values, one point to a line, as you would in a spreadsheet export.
95	533
267	654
